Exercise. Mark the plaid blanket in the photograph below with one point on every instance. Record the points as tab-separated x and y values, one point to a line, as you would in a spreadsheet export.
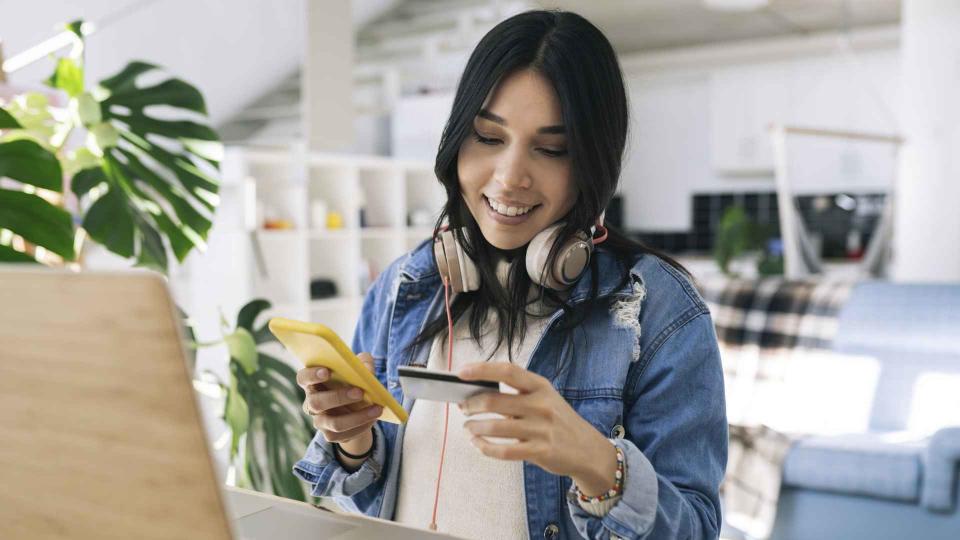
762	326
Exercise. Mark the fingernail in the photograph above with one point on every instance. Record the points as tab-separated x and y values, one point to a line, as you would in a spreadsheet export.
322	373
355	393
374	412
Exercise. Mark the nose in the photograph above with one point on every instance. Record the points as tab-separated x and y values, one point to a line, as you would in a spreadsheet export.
511	171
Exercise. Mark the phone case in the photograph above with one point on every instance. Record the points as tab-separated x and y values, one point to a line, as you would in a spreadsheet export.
318	346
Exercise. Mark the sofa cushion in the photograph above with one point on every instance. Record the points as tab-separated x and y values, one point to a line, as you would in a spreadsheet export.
883	465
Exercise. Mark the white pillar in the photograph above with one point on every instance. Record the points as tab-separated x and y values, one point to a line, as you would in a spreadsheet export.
927	227
327	80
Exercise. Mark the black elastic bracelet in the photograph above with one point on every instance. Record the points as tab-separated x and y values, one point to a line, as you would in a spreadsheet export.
358	456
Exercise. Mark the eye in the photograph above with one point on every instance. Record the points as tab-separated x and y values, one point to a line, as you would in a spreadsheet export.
553	153
484	140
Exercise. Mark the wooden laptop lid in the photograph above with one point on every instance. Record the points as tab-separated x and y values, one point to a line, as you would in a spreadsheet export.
100	433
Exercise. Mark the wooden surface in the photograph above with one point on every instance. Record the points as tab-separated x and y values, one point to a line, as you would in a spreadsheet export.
100	434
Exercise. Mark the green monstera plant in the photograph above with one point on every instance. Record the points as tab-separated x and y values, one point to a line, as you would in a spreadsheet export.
269	430
145	176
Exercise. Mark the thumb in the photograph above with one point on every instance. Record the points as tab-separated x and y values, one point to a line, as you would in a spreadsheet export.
367	360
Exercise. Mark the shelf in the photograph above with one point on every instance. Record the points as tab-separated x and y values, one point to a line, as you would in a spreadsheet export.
279	233
332	234
287	183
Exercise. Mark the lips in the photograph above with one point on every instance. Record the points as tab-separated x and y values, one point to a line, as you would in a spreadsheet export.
508	219
509	209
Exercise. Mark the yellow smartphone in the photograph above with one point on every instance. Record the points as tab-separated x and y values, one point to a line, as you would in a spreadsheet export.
318	346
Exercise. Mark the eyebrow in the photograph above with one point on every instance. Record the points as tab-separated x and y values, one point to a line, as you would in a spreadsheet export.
558	129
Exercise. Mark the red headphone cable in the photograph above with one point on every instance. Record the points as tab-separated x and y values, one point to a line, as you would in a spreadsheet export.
446	414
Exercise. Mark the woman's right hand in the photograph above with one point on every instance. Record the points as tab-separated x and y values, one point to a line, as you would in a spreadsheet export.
338	411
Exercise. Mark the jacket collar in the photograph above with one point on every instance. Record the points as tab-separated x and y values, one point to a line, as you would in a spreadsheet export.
420	265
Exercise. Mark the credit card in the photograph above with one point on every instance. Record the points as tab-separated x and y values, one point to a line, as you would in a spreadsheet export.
435	385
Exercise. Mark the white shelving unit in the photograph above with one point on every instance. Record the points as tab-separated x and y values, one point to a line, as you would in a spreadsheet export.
284	184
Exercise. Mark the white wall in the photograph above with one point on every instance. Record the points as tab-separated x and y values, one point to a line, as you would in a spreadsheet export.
927	228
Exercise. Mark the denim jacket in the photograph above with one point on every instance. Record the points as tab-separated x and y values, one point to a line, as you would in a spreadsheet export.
643	368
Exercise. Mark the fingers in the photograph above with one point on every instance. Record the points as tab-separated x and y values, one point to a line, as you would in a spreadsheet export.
511	374
509	452
344	426
333	436
307	377
507	428
496	402
321	401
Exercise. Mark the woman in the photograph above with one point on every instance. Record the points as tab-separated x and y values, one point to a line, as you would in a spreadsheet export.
610	431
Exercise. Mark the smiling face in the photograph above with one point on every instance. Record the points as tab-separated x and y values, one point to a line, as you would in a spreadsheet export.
514	170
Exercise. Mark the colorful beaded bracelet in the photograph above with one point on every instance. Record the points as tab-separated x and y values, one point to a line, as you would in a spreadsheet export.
613	492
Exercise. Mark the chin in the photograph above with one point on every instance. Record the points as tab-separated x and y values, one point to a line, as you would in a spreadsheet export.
504	241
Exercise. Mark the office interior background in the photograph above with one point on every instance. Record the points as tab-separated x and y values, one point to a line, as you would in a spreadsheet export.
799	157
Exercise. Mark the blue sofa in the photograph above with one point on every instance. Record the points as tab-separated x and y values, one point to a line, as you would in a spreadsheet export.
897	478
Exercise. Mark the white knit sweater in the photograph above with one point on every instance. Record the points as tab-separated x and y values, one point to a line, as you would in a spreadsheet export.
480	497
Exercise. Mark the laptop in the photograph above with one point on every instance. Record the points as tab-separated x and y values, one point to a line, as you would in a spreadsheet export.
100	429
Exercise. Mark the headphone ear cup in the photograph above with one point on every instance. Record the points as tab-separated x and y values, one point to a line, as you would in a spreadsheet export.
455	275
572	258
537	252
468	268
440	257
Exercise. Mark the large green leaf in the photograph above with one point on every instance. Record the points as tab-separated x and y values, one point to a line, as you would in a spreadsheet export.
287	430
172	92
37	221
30	216
28	162
159	171
237	414
243	349
123	82
123	218
109	221
86	180
247	319
277	431
7	121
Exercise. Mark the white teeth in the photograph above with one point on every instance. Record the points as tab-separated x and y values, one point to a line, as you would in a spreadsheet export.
508	210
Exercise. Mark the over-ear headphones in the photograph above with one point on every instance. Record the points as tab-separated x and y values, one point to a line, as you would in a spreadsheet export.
572	259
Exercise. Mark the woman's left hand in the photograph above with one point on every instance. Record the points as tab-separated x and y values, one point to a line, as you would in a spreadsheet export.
549	432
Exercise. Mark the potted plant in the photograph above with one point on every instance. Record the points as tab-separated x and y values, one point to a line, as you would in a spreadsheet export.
133	167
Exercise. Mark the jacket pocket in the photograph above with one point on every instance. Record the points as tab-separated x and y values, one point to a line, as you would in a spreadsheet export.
602	408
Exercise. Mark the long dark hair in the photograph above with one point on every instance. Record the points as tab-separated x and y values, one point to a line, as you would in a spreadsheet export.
573	55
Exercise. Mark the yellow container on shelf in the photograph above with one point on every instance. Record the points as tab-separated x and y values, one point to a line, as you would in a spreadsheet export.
334	220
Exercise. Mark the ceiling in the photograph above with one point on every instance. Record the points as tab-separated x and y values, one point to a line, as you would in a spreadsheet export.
637	25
